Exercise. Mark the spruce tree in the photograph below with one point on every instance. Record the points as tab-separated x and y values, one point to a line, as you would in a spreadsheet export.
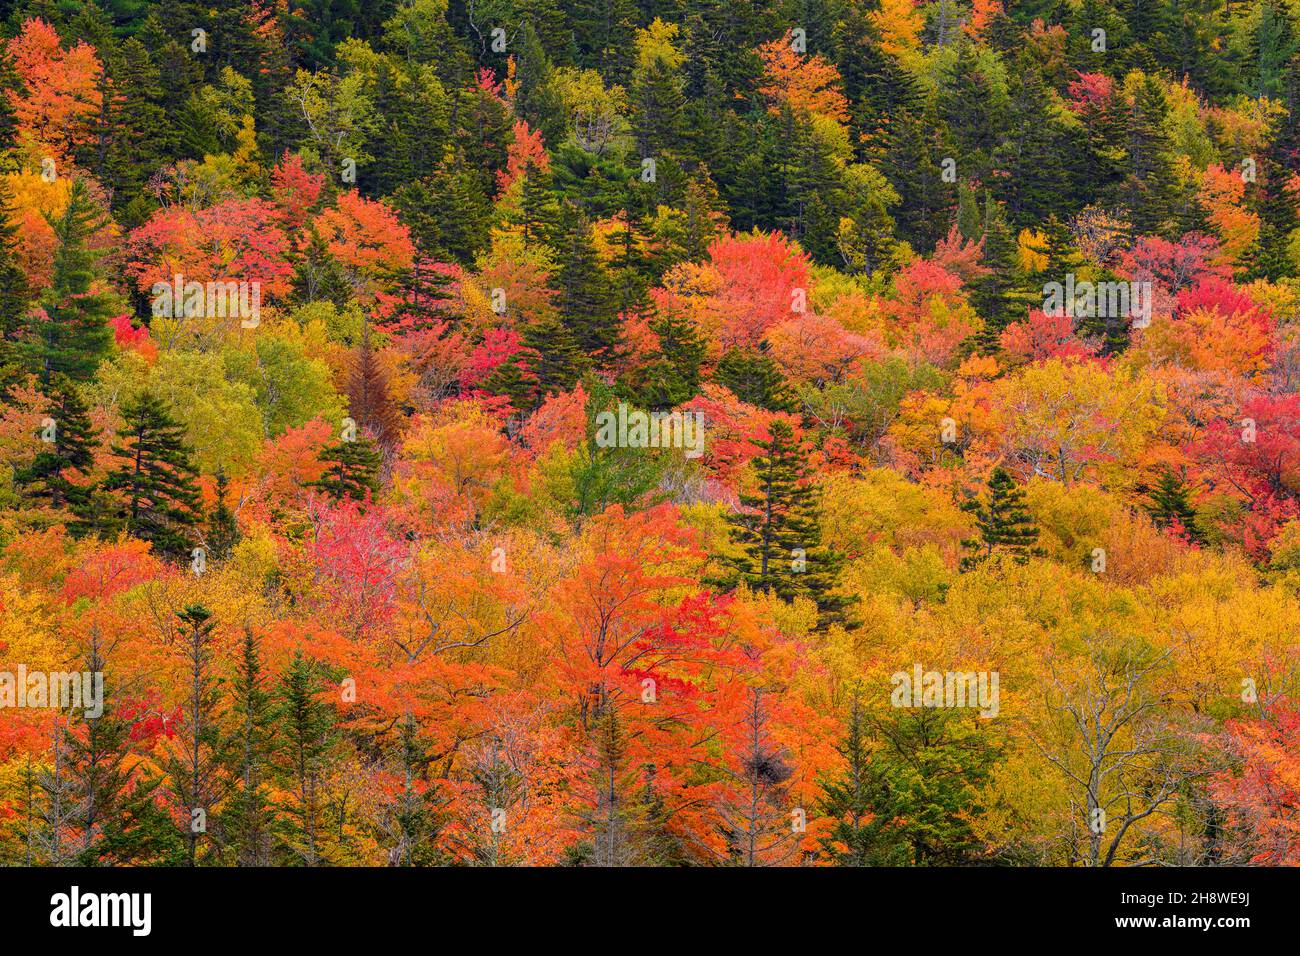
98	796
1170	505
854	800
556	361
223	531
779	533
1146	190
351	469
69	331
156	484
418	813
583	287
673	374
141	139
1005	525
997	297
194	767
248	815
539	212
68	449
755	379
305	734
15	294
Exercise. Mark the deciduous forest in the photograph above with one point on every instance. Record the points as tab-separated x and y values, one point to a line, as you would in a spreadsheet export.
649	433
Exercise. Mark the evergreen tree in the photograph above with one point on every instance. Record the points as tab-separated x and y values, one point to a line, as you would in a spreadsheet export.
584	295
318	276
604	37
223	531
448	212
658	100
351	469
556	360
1146	189
418	814
913	167
1004	524
539	212
924	786
248	816
1170	505
536	99
853	800
673	374
15	293
156	487
69	332
997	297
194	767
140	138
101	806
68	448
755	379
779	533
305	735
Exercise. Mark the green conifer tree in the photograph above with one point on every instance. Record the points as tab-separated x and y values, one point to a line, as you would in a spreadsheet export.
1005	525
156	486
69	332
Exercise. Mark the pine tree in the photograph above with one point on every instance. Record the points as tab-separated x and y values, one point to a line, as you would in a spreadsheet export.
351	469
778	530
975	113
305	734
156	487
1004	524
584	299
68	448
755	379
673	374
69	332
854	800
15	293
99	799
223	530
194	768
556	360
248	816
1171	505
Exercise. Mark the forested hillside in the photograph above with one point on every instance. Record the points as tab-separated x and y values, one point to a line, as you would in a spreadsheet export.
649	432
